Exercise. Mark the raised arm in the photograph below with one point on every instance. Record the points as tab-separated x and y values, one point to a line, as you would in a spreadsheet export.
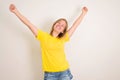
77	21
14	10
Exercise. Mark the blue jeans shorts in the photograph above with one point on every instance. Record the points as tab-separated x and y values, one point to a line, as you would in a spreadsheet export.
63	75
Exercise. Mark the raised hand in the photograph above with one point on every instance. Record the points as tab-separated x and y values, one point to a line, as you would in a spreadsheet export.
77	21
12	8
84	10
33	28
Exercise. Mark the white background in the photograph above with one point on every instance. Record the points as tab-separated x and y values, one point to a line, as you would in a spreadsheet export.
93	51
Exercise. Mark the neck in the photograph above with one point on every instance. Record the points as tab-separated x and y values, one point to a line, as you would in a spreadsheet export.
55	34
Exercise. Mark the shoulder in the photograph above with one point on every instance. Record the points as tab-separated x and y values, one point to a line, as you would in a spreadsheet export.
41	35
65	37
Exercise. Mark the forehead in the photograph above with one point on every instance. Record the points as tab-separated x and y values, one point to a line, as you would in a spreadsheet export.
62	21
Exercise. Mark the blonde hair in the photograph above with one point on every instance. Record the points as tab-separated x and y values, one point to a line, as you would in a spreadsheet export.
65	30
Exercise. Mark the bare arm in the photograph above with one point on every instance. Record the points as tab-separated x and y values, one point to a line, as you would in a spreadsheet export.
23	19
77	21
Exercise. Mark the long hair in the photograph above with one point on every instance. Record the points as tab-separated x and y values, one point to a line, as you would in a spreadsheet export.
60	35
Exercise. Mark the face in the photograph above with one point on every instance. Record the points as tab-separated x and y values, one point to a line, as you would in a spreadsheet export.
60	26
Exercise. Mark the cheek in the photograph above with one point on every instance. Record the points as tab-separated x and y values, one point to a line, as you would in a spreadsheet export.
54	27
63	29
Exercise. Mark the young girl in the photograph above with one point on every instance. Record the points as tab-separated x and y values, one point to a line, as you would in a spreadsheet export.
55	65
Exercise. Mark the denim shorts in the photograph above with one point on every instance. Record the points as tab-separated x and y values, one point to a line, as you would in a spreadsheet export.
63	75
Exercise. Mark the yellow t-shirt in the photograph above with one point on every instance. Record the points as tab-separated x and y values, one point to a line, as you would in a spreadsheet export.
53	55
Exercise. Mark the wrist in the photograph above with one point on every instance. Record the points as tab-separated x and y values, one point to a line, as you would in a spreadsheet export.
15	11
83	13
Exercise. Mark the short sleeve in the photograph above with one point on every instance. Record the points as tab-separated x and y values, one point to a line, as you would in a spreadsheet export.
66	37
41	35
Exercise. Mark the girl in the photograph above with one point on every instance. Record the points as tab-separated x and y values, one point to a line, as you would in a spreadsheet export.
55	65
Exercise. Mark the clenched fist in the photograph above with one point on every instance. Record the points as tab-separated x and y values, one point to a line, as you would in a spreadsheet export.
12	8
84	9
